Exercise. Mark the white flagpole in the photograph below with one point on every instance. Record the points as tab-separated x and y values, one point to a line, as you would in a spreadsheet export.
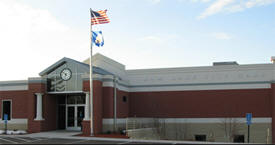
91	79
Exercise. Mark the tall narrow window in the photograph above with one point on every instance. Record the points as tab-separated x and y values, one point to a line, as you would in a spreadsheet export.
124	99
6	109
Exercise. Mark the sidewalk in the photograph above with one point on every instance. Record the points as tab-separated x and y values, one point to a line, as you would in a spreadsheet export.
54	134
64	134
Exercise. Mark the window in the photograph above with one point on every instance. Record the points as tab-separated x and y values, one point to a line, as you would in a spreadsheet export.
239	138
200	137
76	100
124	99
6	109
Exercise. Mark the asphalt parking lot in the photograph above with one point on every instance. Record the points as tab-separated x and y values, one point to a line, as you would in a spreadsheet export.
44	140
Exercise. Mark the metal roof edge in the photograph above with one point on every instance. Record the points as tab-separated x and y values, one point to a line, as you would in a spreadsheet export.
65	59
53	66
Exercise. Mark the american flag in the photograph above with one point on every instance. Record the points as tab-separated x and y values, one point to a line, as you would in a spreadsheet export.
99	17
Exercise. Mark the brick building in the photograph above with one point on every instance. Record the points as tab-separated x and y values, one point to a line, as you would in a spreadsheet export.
200	98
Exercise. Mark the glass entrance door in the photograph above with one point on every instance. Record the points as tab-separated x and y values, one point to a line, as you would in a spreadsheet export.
70	117
80	115
75	115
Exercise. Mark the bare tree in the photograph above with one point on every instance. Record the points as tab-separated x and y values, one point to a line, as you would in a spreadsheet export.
181	130
160	127
230	126
185	130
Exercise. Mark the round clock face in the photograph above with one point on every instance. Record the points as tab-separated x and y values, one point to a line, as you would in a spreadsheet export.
66	74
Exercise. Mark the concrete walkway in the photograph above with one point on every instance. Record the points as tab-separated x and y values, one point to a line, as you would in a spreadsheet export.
54	134
64	134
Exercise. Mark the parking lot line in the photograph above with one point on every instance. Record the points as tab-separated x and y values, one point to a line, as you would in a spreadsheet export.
25	140
28	139
13	142
38	140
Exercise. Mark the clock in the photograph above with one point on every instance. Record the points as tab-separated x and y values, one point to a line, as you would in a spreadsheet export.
66	74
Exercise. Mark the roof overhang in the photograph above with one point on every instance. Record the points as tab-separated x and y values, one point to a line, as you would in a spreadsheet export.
67	92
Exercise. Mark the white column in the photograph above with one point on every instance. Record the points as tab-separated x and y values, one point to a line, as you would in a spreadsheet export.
87	107
39	106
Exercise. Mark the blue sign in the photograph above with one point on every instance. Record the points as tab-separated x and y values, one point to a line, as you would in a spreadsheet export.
248	118
6	118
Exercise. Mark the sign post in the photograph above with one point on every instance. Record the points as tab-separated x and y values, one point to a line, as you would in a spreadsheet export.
248	122
6	122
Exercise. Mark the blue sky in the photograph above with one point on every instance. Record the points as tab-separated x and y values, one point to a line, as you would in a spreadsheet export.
142	33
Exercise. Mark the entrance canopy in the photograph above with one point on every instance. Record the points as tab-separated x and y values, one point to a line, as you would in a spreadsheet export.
67	92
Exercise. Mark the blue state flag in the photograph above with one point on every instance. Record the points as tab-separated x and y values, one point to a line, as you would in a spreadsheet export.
98	38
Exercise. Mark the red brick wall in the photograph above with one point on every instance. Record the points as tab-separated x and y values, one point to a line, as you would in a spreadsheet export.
97	101
273	111
50	112
122	107
35	126
19	101
210	103
86	128
97	107
108	105
48	108
108	99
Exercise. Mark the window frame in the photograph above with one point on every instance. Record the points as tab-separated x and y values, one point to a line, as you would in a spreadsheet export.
2	111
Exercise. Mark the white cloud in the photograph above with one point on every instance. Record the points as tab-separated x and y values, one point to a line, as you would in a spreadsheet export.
221	36
154	1
195	1
235	8
33	36
252	3
214	8
248	4
231	6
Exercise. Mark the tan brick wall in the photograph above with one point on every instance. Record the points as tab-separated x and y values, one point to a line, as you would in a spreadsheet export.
213	131
14	126
109	127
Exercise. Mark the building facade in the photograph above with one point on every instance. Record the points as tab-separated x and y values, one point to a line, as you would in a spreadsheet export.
195	103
